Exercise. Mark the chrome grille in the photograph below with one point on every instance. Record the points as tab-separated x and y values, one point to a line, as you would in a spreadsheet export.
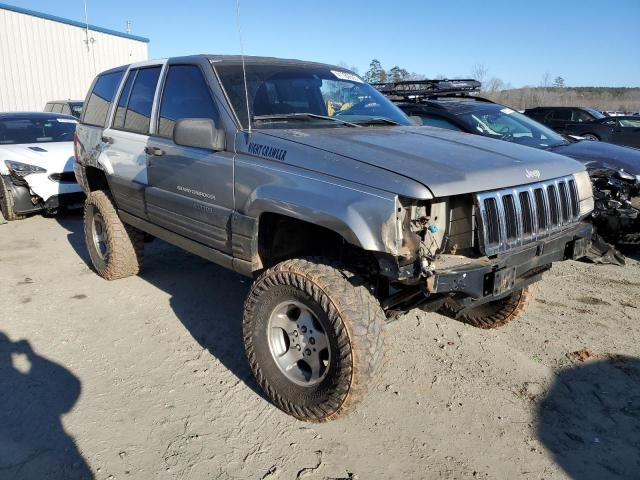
513	217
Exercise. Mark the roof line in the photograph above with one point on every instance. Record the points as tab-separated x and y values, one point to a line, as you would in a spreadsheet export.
46	16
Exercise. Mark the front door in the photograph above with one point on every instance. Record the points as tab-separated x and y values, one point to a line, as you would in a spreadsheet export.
190	189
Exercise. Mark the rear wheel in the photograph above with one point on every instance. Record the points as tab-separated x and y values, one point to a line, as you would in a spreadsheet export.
313	336
497	313
590	136
115	249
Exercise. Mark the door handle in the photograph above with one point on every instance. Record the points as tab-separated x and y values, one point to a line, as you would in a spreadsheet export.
155	151
106	139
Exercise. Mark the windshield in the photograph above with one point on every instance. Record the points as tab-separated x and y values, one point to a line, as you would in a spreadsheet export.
282	96
497	121
36	130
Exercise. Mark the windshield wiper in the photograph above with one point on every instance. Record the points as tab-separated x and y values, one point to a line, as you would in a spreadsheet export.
296	116
377	121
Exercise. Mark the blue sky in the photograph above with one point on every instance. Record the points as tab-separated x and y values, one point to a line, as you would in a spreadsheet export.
588	42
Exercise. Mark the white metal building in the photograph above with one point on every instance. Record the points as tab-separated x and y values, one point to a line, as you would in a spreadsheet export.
43	57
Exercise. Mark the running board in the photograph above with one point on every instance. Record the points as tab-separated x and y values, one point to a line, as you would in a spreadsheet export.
216	256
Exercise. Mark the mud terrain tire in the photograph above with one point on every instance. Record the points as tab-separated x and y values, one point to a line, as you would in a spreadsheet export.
497	313
348	320
116	249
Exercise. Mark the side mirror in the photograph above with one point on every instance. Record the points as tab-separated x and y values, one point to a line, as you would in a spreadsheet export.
198	133
416	120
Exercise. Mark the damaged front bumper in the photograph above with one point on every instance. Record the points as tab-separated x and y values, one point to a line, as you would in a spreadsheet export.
487	279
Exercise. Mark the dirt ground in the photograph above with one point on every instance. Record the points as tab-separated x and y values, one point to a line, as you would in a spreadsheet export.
146	378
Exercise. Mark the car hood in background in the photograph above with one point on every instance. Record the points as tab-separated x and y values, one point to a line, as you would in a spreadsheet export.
54	157
448	163
595	154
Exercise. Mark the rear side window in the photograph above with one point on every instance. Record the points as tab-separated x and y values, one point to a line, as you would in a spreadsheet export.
185	95
48	107
136	100
57	108
121	109
561	115
102	95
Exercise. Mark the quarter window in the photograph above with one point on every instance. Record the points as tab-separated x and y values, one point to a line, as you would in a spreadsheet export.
185	95
102	95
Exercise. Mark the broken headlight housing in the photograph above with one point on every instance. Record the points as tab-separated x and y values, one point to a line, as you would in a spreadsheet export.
585	192
20	169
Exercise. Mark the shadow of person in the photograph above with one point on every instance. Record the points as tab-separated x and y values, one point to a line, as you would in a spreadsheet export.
206	298
590	420
34	393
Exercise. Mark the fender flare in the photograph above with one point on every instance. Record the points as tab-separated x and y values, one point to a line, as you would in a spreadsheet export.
361	218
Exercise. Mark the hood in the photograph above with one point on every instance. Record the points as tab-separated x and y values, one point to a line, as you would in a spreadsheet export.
597	154
448	163
55	157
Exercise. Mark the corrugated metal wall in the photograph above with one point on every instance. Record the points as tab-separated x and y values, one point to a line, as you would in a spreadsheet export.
43	60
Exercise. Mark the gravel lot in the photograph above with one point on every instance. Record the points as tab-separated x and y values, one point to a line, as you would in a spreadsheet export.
146	378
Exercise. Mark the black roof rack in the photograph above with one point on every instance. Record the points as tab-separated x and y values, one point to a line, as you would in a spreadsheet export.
428	88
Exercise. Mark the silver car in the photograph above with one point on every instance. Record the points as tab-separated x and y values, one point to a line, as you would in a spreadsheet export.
306	179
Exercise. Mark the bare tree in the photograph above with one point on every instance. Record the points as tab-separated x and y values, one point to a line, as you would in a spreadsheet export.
479	72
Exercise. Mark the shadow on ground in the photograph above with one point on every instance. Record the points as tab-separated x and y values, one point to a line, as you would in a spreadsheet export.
590	419
206	298
34	393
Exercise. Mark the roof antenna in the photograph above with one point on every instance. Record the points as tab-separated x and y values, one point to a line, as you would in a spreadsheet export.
244	70
89	41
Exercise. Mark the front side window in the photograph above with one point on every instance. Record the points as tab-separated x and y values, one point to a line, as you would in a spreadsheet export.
438	122
185	95
284	95
137	117
581	116
629	123
36	130
496	121
101	98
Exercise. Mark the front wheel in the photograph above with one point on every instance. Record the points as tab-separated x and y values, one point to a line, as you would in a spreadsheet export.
7	203
590	136
313	335
497	313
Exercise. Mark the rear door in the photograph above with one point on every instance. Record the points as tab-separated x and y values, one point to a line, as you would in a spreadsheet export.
127	137
190	189
558	119
627	132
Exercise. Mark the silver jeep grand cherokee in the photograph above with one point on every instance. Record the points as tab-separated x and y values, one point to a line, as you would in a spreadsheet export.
304	177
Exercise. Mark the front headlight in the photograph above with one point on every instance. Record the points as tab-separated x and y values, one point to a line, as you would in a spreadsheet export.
585	192
22	169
